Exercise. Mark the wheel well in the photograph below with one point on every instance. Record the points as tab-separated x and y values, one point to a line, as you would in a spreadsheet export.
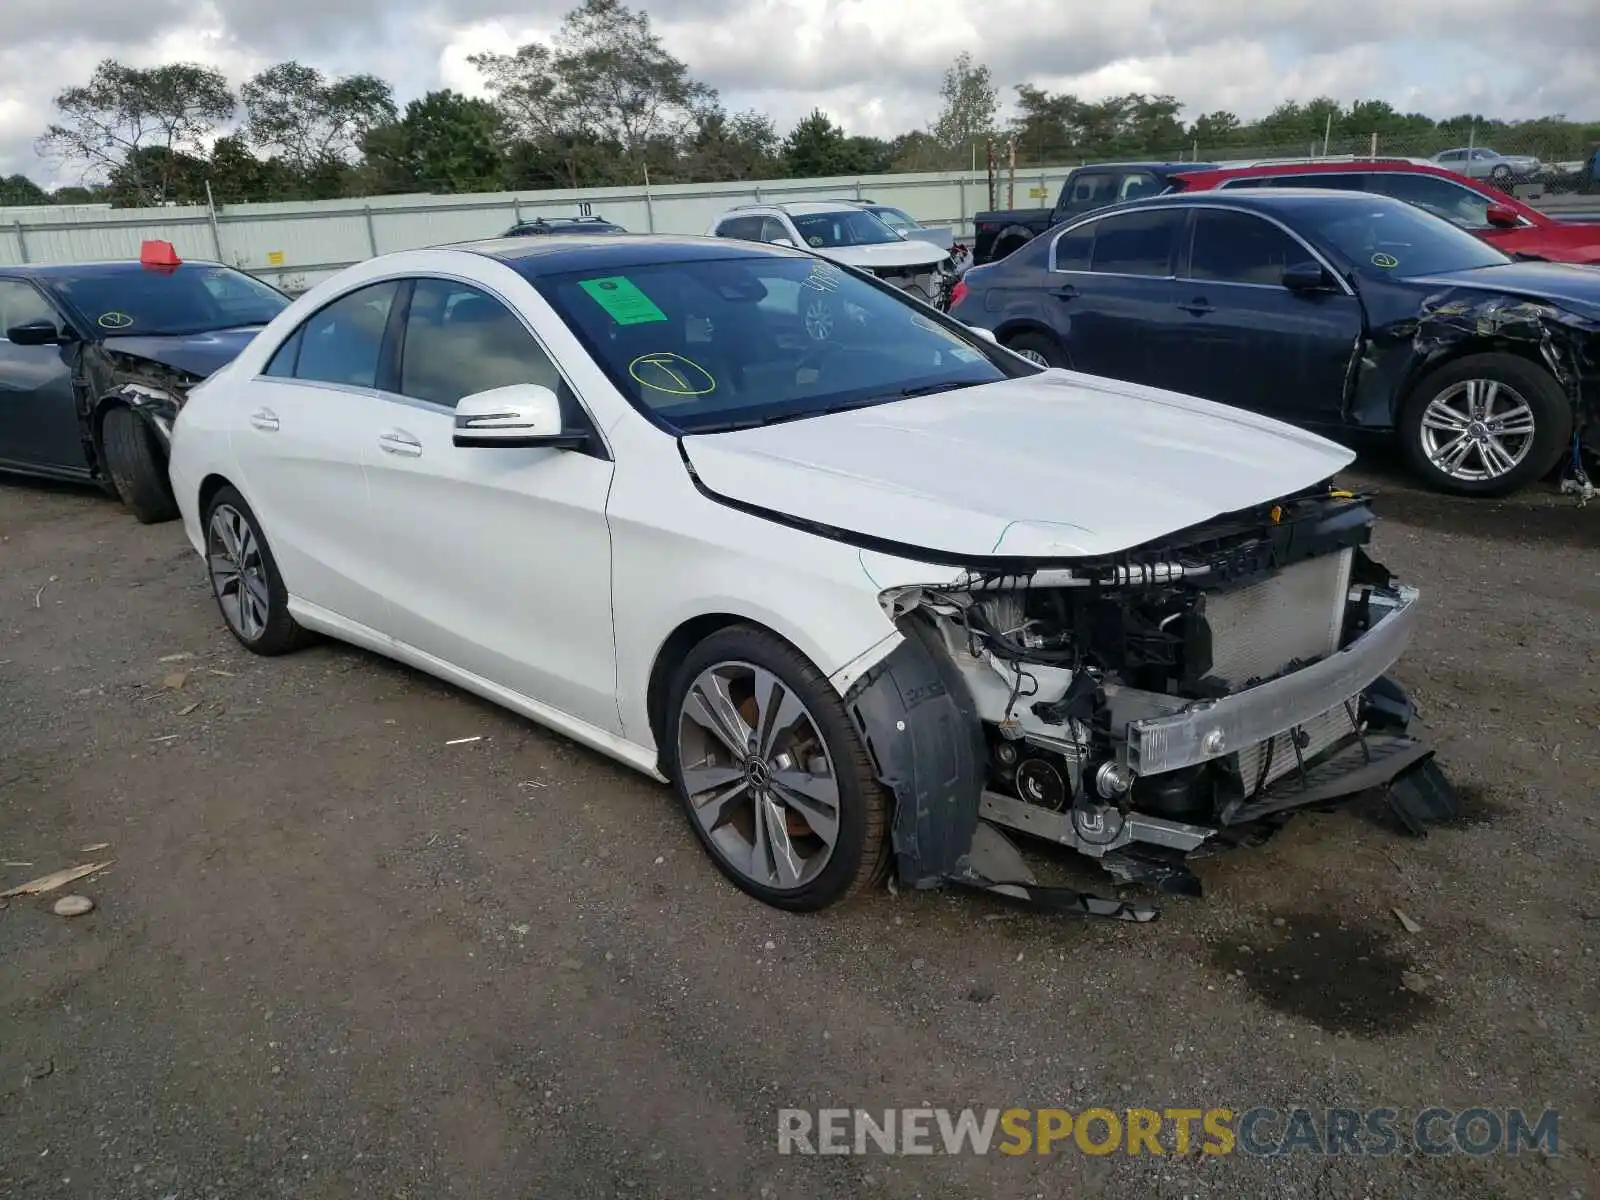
679	642
209	487
1527	352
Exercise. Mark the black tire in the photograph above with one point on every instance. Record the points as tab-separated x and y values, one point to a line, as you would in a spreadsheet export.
1500	174
1042	344
136	467
1552	416
1006	247
860	854
280	632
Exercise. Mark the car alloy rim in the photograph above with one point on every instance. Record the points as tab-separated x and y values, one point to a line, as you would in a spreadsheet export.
1034	356
1477	430
758	775
819	320
238	575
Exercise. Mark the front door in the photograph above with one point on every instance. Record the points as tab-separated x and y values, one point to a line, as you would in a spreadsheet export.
1252	342
39	427
496	560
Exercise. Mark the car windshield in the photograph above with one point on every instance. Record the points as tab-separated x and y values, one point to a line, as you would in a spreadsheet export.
162	302
717	344
847	227
1388	238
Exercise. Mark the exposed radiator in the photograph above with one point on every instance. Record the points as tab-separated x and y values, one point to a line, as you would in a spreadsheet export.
1259	629
1320	733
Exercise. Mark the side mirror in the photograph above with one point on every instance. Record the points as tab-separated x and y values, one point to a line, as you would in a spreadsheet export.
519	415
1305	277
783	242
1502	216
36	333
986	334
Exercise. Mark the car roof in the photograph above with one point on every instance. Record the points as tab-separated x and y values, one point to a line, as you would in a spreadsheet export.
1170	168
1267	199
1387	166
534	257
120	266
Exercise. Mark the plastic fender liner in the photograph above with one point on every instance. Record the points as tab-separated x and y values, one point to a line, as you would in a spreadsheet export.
156	407
922	729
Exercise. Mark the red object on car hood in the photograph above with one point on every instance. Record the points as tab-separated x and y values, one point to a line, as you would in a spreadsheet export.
157	256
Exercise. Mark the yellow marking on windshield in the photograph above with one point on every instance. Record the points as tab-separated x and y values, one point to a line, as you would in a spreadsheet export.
672	373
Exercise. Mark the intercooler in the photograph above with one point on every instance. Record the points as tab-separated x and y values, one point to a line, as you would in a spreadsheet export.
1258	630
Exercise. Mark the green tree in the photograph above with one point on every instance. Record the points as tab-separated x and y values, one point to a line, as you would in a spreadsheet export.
313	124
742	146
104	125
607	80
20	190
445	142
971	105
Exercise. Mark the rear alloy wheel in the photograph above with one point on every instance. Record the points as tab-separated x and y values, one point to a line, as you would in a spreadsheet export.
1038	348
775	782
1486	425
245	580
135	466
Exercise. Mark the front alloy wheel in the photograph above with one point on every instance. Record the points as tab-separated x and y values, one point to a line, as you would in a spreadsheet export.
774	780
1478	430
244	578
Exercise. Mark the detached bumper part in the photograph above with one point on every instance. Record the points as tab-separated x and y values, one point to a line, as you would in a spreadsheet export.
1209	729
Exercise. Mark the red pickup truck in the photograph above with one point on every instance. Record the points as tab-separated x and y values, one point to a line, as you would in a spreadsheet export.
1501	220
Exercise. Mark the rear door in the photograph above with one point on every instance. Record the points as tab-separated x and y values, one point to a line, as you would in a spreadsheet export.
300	436
39	425
1112	298
1249	340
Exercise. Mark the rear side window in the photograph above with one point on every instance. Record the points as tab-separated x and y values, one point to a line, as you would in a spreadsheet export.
1231	247
746	229
342	342
1074	247
1135	243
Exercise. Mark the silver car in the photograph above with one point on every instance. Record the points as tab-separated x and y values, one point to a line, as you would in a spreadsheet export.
1479	162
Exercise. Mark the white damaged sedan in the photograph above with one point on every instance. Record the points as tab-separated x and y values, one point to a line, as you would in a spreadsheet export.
886	597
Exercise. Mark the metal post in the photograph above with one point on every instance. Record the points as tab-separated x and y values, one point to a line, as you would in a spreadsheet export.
216	230
961	184
649	207
858	189
1374	153
516	209
1327	133
22	243
372	232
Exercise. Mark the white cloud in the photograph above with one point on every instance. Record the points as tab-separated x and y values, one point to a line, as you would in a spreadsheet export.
874	65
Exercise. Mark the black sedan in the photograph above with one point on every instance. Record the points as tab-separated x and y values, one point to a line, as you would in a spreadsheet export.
95	359
1338	311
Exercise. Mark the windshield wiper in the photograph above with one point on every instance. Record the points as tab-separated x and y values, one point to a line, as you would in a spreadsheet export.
933	389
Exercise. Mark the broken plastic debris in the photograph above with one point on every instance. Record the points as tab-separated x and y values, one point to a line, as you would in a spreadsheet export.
176	680
178	657
94	849
463	741
49	883
73	906
1406	922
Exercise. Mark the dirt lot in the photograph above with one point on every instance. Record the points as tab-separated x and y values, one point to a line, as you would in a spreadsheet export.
338	957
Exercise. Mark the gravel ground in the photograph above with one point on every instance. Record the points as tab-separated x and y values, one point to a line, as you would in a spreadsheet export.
337	957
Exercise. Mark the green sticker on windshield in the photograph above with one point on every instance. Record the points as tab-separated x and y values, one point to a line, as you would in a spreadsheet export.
622	300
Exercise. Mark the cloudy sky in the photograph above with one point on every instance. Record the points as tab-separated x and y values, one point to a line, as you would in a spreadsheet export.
874	65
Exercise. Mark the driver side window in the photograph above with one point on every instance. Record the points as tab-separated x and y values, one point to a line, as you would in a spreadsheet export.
21	304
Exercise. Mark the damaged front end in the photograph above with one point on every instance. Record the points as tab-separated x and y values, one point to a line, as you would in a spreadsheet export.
1148	708
153	389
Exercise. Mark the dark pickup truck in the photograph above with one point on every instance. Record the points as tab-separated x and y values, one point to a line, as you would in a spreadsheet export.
998	234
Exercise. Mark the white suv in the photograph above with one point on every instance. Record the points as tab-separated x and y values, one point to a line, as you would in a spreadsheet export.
846	234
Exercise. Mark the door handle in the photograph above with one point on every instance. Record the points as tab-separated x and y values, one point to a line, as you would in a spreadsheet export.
1065	292
398	441
1199	306
264	418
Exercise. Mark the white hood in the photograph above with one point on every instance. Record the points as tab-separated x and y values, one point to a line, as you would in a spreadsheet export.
902	253
1054	465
